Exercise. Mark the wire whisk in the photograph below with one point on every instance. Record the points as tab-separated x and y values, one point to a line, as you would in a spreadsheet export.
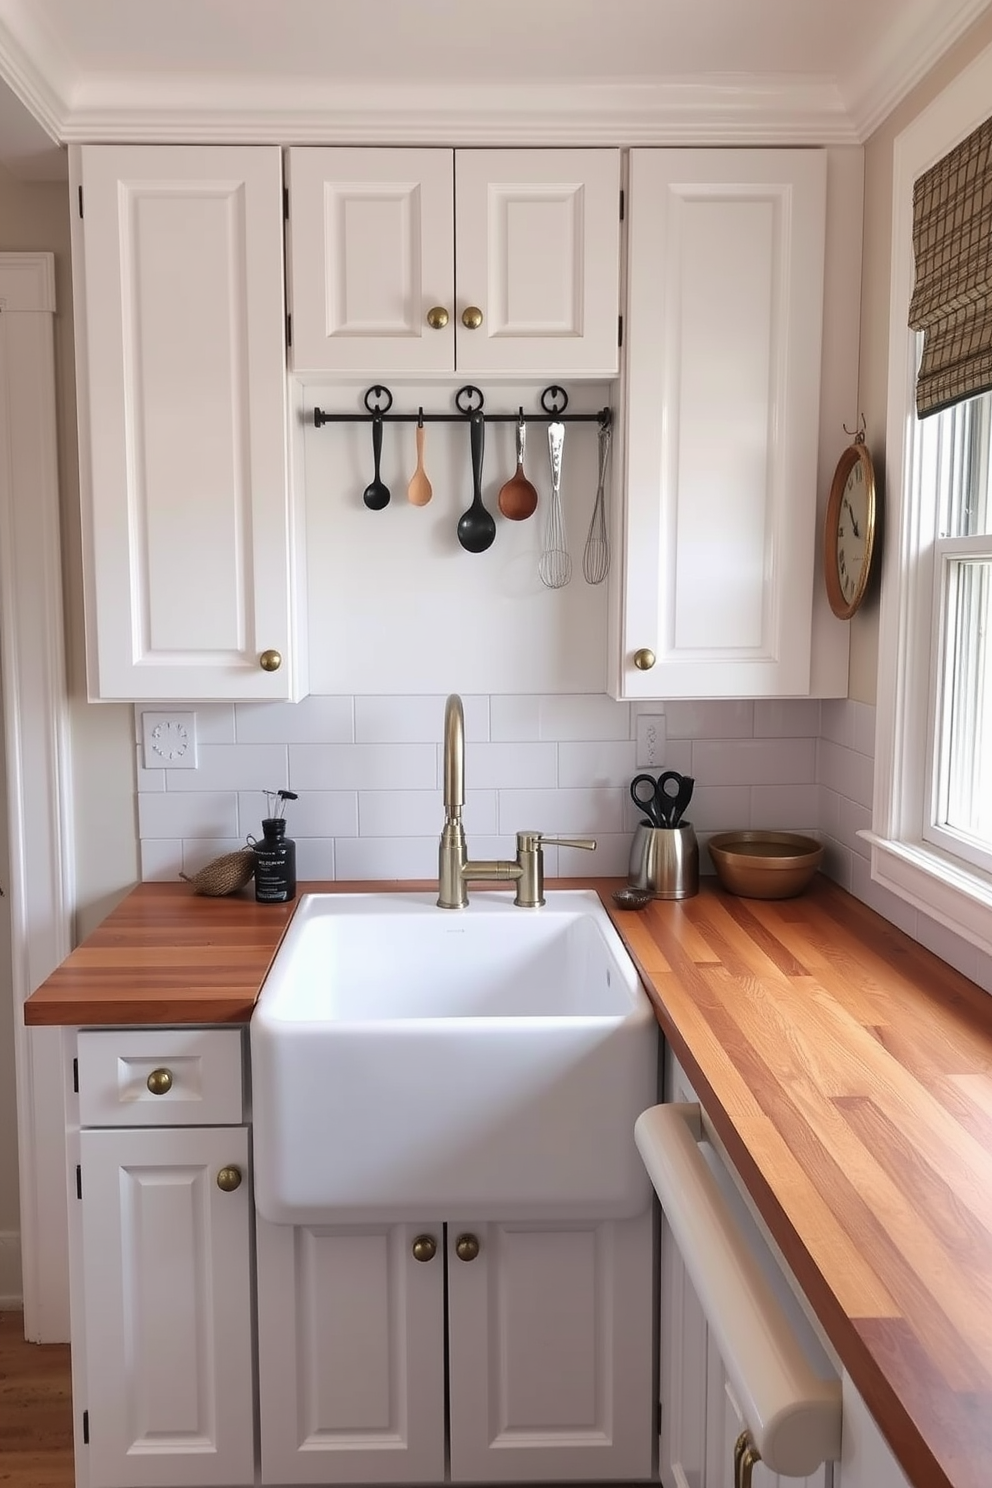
555	566
596	556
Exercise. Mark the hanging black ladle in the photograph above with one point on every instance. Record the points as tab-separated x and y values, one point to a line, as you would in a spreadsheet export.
376	493
476	527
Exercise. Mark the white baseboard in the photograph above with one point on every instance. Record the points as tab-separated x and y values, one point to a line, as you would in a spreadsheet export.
11	1287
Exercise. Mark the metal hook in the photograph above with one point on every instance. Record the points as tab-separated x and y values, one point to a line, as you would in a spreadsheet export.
858	434
420	418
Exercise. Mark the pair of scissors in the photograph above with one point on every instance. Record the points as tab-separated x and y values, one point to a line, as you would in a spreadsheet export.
662	806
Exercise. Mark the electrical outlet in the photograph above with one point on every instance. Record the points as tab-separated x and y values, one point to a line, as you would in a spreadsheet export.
651	740
169	741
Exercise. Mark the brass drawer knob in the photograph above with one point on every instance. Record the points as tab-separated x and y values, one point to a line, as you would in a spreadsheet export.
644	659
467	1247
270	661
437	318
424	1248
159	1082
228	1179
471	317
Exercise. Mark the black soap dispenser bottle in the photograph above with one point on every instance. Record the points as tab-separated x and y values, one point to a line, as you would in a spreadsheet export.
275	855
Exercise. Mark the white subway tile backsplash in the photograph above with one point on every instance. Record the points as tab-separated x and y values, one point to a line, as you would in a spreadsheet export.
412	720
386	857
844	770
709	720
863	886
565	813
315	720
362	767
161	859
753	762
506	766
515	720
785	808
853	818
240	767
584	716
188	814
719	808
147	780
781	718
864	728
420	813
315	857
315	814
837	721
596	764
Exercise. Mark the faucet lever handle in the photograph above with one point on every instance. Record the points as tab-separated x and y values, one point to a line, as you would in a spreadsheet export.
530	841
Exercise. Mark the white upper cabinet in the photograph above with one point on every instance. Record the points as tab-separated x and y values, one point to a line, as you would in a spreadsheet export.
376	234
723	412
189	529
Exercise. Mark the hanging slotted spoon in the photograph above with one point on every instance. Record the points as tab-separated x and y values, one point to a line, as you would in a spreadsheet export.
555	567
596	557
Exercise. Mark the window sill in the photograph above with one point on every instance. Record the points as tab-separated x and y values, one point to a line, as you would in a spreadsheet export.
937	884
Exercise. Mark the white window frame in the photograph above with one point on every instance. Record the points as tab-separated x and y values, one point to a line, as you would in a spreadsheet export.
926	874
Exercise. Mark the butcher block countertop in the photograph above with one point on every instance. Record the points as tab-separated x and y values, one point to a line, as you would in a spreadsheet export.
846	1070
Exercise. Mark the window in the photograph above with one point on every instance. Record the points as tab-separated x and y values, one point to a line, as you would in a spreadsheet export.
954	448
932	837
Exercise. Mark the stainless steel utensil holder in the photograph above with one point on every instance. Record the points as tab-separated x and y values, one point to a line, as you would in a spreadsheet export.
665	861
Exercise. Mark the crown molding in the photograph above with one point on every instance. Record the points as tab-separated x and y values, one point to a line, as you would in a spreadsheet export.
885	76
34	67
712	110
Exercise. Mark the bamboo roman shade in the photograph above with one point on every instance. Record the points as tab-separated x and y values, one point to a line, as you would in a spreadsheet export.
952	297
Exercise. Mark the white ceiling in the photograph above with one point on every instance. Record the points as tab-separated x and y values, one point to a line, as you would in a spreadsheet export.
459	70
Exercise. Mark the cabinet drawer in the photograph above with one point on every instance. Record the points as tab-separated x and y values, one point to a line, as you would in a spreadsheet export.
155	1077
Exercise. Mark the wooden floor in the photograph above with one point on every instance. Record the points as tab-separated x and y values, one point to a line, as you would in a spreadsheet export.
35	1410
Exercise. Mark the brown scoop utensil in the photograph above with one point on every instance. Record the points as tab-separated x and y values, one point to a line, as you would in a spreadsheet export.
419	491
518	498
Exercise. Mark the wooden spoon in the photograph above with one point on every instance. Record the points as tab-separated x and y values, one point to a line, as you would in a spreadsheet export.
518	498
419	491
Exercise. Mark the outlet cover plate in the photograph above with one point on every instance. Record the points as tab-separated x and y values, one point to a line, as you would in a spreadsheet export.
169	741
652	736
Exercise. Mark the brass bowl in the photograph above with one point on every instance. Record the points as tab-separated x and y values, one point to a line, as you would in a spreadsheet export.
764	865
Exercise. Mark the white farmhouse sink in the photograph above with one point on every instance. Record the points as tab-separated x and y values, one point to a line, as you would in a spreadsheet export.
410	1062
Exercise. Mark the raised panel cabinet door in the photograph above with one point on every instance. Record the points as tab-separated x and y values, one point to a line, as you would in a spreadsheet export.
190	534
167	1286
351	1353
866	1457
550	1338
538	256
371	261
725	310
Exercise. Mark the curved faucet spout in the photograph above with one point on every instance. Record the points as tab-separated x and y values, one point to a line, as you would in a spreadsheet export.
454	756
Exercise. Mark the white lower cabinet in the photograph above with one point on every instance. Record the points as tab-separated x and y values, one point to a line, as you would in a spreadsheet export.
549	1338
166	1274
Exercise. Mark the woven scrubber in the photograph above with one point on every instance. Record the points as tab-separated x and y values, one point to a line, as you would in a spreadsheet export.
224	875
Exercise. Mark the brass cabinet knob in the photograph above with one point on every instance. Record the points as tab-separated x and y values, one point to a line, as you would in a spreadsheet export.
228	1179
644	659
159	1082
437	318
270	661
424	1248
471	317
467	1247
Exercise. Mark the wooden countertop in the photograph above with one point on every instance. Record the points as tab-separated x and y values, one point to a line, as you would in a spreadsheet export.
847	1071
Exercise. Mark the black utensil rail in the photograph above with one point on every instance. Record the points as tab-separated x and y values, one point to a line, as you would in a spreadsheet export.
469	399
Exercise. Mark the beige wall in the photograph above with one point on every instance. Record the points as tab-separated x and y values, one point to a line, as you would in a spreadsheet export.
35	217
875	308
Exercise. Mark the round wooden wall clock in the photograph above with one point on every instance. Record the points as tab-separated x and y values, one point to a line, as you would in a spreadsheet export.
849	529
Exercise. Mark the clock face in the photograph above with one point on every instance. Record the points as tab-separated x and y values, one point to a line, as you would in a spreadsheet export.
852	532
849	535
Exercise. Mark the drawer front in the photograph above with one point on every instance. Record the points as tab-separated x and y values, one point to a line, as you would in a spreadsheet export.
160	1077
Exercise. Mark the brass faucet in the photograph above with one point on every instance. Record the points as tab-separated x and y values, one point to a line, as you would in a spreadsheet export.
455	870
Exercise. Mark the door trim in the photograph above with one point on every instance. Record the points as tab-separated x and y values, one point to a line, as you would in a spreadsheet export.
32	663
